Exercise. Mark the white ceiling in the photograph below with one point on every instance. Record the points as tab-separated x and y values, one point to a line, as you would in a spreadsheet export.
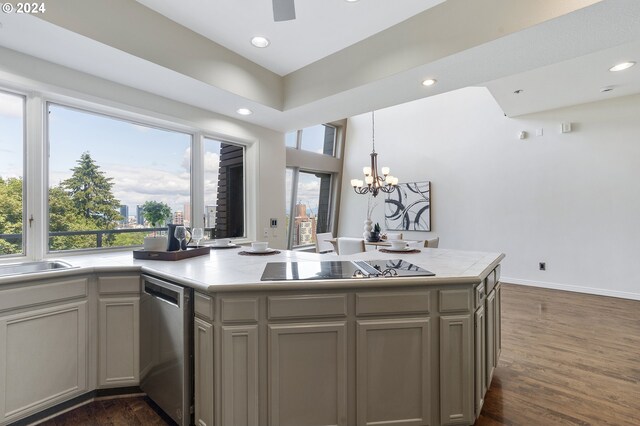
570	82
558	52
321	27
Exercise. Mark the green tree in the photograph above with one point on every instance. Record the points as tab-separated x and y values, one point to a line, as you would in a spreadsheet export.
156	213
64	217
10	214
90	192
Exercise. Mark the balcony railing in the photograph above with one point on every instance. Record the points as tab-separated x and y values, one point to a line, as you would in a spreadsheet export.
100	234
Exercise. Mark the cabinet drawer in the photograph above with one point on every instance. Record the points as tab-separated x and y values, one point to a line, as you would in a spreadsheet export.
239	309
406	302
203	306
310	306
455	300
119	284
37	294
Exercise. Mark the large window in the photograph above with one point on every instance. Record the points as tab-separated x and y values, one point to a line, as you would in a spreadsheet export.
11	173
223	189
310	195
320	139
103	170
311	182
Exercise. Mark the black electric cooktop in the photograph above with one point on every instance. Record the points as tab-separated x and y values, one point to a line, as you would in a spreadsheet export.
333	270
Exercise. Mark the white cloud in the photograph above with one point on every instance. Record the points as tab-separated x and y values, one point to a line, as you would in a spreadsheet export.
186	159
211	162
11	106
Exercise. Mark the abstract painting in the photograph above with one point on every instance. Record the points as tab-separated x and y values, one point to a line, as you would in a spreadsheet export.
408	208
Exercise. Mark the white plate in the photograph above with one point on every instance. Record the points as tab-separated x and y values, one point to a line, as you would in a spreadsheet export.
268	250
221	246
400	250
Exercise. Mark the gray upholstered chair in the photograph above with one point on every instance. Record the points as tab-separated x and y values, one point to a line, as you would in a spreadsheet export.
348	245
432	243
322	245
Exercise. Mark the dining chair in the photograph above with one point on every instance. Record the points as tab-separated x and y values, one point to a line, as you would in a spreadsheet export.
322	245
347	245
432	243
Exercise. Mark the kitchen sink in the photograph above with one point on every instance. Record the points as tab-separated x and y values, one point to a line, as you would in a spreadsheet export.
32	267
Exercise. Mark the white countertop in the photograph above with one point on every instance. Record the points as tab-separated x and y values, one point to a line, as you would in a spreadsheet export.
225	270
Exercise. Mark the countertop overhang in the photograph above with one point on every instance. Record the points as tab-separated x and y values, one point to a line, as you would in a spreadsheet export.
226	271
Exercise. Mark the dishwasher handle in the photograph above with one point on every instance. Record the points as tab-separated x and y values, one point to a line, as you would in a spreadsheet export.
164	291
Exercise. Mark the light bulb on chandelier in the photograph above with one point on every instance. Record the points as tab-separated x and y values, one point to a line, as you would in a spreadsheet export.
375	183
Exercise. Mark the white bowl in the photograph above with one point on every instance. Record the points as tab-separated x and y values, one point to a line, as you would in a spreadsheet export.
221	242
259	246
398	244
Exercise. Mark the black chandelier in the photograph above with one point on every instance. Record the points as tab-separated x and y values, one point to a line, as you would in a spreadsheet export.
375	183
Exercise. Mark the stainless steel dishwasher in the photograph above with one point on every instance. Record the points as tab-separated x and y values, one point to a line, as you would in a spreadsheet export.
166	337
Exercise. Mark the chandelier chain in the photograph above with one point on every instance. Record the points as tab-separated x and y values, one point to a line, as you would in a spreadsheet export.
373	129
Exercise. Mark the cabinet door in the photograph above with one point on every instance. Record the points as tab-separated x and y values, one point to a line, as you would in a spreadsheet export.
480	349
239	374
43	358
393	372
456	370
491	335
307	374
203	372
498	322
119	341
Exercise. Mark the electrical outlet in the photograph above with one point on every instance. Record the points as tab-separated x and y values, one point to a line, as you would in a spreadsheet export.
265	234
543	266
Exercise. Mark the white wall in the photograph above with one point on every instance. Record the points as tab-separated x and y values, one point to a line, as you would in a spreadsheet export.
571	200
265	151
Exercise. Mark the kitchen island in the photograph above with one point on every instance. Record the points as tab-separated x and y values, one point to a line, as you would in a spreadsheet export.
404	350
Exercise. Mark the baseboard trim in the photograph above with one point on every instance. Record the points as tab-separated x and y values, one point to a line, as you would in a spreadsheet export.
573	288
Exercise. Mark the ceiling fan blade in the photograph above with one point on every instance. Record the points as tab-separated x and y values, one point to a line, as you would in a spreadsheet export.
283	10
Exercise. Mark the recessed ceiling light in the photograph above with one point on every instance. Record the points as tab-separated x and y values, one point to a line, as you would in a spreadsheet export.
244	111
429	82
259	41
351	1
622	66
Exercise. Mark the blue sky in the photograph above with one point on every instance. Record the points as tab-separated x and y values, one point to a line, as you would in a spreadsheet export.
146	163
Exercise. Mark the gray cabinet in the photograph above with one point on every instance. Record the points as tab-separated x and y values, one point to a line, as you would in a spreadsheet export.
43	360
307	374
203	372
239	375
203	360
491	355
456	370
393	365
118	331
480	350
44	345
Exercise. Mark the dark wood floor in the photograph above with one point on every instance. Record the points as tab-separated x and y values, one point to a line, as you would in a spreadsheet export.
567	359
132	411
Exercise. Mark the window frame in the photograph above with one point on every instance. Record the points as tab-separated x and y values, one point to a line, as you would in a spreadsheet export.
226	140
25	193
36	165
299	133
300	160
115	116
295	179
